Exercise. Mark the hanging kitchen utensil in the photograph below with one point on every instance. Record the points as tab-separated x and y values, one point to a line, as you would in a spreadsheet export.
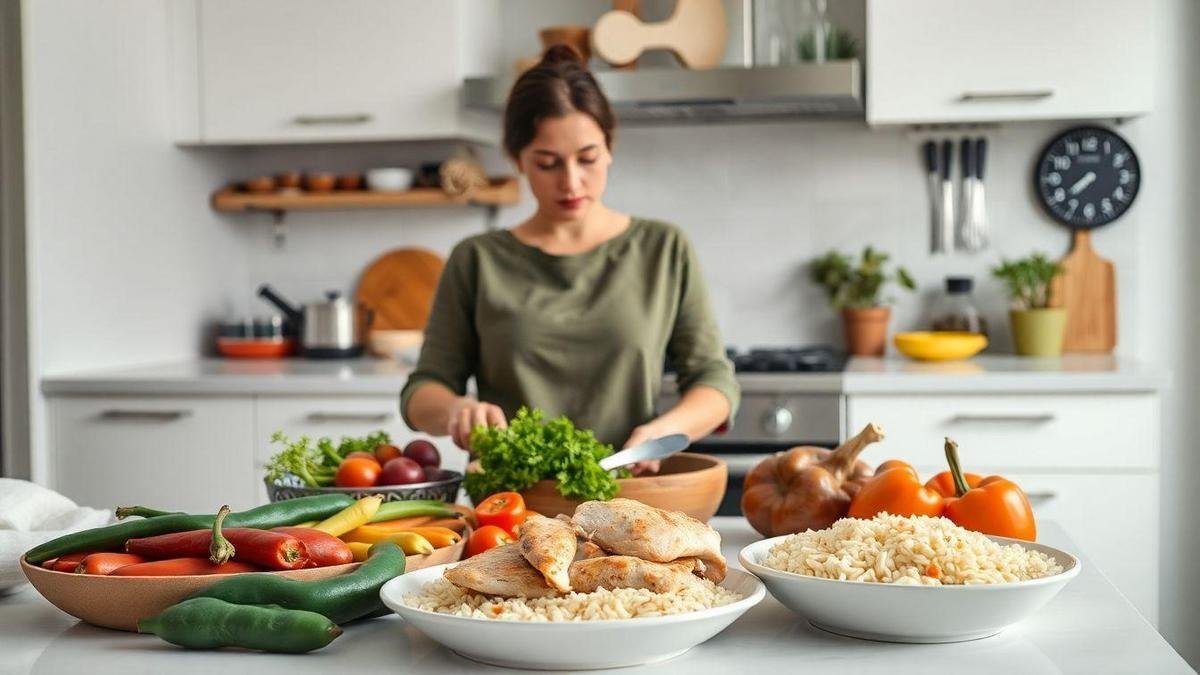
935	194
398	287
979	219
329	329
963	233
945	237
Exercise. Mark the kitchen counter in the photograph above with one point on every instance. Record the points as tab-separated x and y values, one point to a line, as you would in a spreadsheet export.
999	373
1088	628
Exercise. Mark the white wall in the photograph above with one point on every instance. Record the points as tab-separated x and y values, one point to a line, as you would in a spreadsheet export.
126	260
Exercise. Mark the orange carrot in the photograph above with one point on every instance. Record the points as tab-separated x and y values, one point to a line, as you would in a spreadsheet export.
106	563
70	561
182	566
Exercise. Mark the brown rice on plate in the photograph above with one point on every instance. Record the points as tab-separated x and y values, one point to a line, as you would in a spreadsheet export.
915	550
443	597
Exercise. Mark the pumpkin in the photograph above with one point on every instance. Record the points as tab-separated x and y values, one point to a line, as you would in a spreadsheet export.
806	487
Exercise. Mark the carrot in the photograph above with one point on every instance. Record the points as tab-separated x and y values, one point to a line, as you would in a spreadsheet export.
70	561
106	563
182	566
323	549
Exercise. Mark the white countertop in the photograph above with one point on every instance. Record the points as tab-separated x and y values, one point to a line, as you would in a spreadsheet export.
987	373
1088	628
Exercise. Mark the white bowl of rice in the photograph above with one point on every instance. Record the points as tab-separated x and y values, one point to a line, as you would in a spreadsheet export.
916	579
578	631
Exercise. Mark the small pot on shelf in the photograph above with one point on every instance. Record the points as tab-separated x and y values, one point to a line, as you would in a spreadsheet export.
1038	332
866	329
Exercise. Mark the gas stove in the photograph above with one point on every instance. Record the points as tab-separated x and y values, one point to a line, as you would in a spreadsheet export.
816	359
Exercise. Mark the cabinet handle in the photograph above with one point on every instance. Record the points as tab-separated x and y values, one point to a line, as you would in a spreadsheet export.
145	415
1014	95
1036	418
322	417
352	118
1043	496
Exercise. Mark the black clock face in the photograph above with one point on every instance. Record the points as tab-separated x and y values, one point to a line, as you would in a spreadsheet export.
1087	177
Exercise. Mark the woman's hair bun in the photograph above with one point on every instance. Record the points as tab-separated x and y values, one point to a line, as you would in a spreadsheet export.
560	54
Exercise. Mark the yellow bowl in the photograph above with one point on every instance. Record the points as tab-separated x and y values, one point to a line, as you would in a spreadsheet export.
939	346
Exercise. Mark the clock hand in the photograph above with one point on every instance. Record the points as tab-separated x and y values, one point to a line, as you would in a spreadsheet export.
1082	183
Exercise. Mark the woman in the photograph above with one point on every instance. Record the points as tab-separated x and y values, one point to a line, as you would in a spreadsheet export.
573	310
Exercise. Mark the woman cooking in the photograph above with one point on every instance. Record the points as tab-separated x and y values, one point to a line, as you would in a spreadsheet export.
573	310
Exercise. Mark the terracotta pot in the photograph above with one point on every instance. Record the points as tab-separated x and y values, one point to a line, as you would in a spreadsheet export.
1038	332
866	330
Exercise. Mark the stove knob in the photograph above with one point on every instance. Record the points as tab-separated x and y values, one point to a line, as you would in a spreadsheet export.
777	420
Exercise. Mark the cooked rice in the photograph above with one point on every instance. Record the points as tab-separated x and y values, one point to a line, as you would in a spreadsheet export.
917	550
443	597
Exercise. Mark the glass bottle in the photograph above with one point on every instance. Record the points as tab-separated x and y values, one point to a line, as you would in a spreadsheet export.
956	310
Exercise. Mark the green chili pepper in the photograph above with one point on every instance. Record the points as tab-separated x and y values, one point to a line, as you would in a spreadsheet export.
208	623
113	537
341	598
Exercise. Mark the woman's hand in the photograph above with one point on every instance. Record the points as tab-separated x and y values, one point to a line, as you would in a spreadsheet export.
641	435
466	413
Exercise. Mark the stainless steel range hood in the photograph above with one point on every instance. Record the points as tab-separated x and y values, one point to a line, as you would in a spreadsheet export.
832	89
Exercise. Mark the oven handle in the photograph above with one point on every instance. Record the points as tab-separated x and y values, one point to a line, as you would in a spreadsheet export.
740	465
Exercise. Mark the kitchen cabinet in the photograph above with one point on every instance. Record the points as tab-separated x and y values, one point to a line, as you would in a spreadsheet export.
1079	457
288	71
933	61
177	453
334	416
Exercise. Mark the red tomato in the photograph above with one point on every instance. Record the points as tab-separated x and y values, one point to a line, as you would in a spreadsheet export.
357	472
505	510
363	455
487	537
386	453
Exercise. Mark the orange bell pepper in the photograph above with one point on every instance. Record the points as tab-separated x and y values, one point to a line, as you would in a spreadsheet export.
895	488
997	506
943	483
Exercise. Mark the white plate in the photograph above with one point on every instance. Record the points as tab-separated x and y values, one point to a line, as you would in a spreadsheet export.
575	645
901	613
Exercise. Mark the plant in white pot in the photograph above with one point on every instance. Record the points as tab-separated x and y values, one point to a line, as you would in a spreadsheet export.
857	292
1038	329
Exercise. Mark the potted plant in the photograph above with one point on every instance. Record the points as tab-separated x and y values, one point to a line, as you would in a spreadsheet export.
855	291
1037	328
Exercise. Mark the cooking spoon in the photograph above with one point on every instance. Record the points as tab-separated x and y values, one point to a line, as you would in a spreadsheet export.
657	448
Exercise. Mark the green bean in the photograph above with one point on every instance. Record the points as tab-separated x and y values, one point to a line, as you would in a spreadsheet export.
208	623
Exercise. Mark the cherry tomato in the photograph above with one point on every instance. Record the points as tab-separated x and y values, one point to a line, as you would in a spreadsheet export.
386	453
357	472
363	455
505	510
487	537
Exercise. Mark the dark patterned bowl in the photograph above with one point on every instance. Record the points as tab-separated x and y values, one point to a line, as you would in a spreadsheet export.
445	489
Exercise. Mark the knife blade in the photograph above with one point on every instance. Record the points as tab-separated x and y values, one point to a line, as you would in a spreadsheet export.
979	201
657	448
946	231
935	194
964	233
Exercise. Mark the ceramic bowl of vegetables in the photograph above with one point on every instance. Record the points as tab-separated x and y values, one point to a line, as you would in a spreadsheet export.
358	467
555	466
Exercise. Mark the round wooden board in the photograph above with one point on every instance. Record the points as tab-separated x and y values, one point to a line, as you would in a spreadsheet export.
398	288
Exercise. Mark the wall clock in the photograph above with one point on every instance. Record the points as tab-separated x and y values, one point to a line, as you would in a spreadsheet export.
1087	177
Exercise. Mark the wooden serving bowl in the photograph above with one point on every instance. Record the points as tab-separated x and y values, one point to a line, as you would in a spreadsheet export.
688	482
119	602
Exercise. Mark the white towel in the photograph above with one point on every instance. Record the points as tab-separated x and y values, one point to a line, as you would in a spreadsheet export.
31	514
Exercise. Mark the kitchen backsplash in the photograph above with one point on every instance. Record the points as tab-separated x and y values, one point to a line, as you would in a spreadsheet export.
758	201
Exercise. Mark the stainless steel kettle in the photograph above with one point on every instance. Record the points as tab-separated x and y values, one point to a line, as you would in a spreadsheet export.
328	329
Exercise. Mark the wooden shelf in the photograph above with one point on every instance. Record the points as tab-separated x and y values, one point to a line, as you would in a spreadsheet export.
501	192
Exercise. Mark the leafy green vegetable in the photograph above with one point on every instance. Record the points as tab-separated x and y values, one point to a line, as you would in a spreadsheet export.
532	449
317	464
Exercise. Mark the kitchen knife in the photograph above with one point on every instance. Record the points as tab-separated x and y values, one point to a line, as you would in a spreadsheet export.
978	200
963	240
935	194
657	448
945	238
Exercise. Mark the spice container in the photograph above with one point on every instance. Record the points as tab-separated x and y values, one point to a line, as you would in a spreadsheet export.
956	310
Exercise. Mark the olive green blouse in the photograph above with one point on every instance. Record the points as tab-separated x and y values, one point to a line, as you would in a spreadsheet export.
583	335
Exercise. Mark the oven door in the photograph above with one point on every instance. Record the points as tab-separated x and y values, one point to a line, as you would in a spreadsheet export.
741	458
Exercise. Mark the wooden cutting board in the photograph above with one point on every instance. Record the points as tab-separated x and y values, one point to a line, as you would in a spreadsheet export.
398	288
1087	288
695	33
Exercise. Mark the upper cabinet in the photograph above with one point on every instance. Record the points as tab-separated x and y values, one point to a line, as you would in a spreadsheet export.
931	61
294	71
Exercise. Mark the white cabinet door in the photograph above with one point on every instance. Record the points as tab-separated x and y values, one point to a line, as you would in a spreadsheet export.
189	454
955	61
335	416
314	70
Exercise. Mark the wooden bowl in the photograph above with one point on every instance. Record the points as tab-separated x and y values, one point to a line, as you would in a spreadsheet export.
118	602
688	482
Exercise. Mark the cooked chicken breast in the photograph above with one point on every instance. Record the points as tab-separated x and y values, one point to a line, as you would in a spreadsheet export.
628	527
549	545
500	571
623	571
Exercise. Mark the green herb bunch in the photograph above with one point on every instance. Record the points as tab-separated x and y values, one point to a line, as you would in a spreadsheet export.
316	463
850	287
532	449
1028	279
